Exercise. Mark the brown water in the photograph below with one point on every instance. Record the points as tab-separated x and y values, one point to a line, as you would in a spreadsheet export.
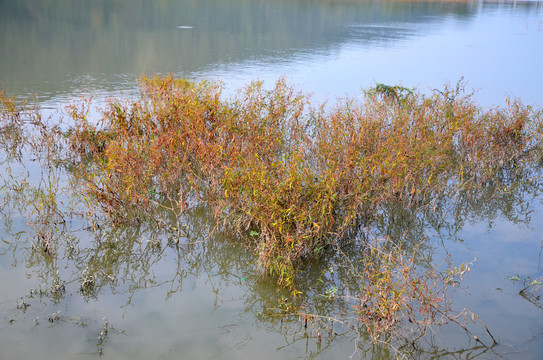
148	297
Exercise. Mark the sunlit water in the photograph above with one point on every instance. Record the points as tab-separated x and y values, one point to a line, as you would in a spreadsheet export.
205	299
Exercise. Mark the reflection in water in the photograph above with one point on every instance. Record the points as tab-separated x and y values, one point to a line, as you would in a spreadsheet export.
53	48
56	49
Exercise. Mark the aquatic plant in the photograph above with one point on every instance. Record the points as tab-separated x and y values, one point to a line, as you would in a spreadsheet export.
290	180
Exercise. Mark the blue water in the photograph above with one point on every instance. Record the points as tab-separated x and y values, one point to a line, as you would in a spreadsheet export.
205	299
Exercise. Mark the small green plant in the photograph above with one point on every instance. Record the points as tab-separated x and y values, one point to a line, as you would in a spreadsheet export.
58	287
88	281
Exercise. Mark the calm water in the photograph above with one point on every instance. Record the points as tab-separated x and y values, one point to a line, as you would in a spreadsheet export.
205	299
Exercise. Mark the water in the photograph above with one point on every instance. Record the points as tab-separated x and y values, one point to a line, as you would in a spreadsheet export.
205	298
328	48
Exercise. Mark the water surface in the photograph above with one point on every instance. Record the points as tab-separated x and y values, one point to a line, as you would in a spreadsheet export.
204	297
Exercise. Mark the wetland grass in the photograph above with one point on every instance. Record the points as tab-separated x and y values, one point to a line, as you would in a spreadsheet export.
290	178
293	180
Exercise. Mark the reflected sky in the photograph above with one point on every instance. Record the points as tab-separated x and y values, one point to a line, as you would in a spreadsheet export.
328	48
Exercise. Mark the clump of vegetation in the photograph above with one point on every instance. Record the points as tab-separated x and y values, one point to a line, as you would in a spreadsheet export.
392	289
288	178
